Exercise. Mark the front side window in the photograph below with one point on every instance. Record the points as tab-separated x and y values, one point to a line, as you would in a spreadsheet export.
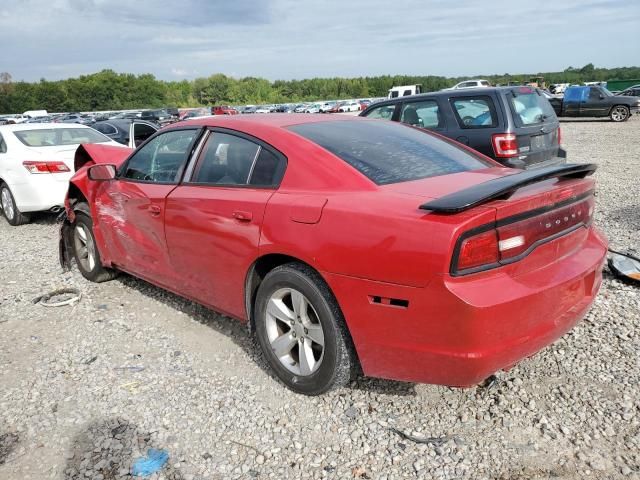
425	114
52	137
161	160
389	152
384	112
594	94
475	112
142	131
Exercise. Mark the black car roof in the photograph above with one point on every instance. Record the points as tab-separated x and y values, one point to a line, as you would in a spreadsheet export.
446	93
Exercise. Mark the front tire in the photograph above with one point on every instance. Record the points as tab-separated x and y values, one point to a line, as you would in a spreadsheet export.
85	250
302	332
619	113
11	212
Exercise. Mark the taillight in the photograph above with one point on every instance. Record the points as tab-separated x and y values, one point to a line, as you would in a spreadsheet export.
45	167
559	136
478	250
512	239
505	145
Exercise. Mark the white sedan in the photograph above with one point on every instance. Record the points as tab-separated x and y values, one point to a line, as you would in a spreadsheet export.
36	162
349	107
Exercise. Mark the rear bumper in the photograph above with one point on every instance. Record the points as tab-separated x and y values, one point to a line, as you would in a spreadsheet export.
458	331
43	192
635	110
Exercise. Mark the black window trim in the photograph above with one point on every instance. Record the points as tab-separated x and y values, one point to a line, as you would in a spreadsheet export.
262	145
441	114
123	168
492	109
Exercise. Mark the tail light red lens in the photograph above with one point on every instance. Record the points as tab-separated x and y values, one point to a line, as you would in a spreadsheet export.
45	167
505	145
478	250
513	239
559	136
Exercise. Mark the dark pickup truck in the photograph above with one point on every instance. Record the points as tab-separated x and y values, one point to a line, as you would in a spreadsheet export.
594	101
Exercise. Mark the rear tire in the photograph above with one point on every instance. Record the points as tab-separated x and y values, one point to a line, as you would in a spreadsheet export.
11	212
85	250
619	113
308	332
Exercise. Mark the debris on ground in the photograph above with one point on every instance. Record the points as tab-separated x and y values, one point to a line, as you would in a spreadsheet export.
59	297
153	462
435	441
625	266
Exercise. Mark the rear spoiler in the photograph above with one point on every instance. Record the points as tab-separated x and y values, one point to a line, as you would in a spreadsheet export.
504	186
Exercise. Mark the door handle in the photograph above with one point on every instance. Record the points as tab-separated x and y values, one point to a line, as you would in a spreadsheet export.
154	210
242	216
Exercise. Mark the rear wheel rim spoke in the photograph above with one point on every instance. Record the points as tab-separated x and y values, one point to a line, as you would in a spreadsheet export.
294	331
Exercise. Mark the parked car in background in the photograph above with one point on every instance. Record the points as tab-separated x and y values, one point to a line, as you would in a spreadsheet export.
159	116
554	100
480	83
300	108
127	131
82	119
36	162
514	125
223	110
349	107
364	104
263	109
633	91
313	108
274	220
249	109
126	115
597	101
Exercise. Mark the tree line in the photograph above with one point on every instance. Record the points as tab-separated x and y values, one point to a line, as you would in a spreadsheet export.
108	90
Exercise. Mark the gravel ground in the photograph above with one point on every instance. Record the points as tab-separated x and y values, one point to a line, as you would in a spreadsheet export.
87	389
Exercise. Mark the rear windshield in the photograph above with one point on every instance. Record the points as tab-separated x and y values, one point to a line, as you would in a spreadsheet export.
52	137
389	152
530	107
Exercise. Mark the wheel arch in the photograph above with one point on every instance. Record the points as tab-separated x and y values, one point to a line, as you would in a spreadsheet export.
619	105
257	272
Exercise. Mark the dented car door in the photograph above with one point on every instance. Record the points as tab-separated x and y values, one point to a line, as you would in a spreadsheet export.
132	206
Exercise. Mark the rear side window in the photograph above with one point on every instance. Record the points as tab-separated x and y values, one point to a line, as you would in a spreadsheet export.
425	114
529	107
389	152
3	145
475	112
52	137
231	160
384	112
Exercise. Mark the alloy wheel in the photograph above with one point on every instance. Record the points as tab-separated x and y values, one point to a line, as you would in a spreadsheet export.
294	331
85	247
619	114
7	204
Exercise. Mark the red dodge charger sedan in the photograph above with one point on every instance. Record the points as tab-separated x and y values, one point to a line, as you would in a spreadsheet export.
346	244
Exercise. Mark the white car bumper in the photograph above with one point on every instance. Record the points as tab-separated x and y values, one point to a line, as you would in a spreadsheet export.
42	192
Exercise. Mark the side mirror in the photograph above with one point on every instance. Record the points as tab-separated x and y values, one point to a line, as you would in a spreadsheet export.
101	172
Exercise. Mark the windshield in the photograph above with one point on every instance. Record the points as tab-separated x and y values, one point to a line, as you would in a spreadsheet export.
606	92
52	137
530	107
388	152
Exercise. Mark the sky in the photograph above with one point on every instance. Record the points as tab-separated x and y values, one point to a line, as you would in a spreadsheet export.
295	39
